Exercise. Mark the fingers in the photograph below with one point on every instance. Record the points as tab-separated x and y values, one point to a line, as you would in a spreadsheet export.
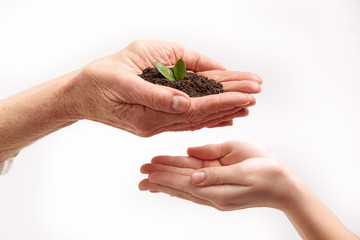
211	121
225	120
232	174
197	62
230	152
157	97
168	100
227	76
211	151
220	102
245	86
180	186
172	180
168	53
234	81
190	121
152	187
224	188
148	168
177	161
173	101
223	124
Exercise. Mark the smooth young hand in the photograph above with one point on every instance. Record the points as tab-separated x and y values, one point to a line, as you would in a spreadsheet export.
237	175
227	176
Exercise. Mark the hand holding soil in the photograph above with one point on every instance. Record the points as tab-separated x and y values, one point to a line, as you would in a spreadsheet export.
177	77
110	91
114	94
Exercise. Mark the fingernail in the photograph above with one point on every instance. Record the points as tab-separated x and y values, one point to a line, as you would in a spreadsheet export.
180	103
198	177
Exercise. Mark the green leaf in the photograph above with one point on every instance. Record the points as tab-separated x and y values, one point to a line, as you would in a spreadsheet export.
179	70
165	71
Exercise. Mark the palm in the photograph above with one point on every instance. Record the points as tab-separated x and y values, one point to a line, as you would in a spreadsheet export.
238	175
229	153
213	155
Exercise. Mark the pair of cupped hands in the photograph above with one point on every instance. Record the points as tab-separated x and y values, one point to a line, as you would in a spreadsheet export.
227	176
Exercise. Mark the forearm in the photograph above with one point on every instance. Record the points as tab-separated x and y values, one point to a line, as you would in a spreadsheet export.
312	219
35	113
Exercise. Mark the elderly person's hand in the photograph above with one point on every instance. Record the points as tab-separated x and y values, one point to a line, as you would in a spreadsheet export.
110	91
237	175
114	94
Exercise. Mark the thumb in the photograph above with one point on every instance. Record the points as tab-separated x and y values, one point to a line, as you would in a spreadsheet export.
214	176
158	97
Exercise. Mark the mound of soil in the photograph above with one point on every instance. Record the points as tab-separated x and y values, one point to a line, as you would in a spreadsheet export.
194	85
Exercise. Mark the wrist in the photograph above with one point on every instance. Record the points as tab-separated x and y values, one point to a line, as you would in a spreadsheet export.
299	198
292	192
67	98
310	216
35	113
84	95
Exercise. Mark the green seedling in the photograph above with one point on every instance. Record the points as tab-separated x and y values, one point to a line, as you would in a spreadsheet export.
179	70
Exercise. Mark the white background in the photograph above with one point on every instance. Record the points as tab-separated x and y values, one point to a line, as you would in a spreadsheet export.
81	182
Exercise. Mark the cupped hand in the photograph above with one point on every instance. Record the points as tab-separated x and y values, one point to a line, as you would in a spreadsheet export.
228	176
110	91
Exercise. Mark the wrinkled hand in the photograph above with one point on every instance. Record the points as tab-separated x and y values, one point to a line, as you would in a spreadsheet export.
110	91
227	176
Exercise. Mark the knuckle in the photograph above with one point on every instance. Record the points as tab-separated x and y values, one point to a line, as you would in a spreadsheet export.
88	72
190	115
276	169
262	149
265	149
136	43
212	177
157	99
233	142
216	177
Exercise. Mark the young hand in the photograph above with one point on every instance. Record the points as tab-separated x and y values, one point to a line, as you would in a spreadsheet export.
228	176
237	175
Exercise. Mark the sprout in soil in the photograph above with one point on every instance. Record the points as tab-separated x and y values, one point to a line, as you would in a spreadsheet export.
179	70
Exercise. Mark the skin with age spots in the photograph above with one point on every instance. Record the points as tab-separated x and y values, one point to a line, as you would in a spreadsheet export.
109	90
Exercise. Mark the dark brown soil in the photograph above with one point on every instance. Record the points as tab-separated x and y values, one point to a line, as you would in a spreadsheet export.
194	85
